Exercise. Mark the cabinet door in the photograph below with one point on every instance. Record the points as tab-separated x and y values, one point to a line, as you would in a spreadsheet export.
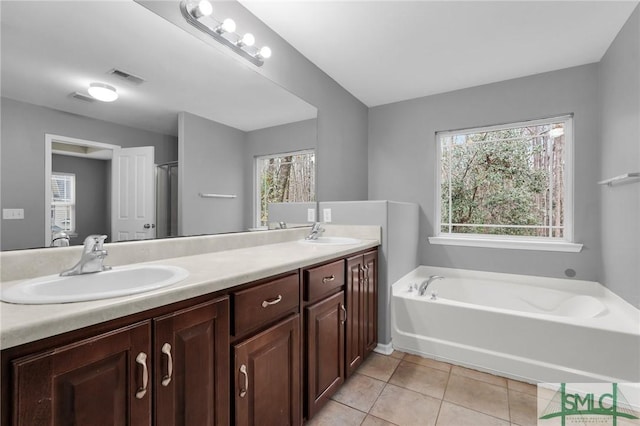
192	365
103	380
325	322
267	376
370	301
354	338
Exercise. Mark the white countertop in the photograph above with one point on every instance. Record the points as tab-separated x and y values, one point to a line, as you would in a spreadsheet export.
208	273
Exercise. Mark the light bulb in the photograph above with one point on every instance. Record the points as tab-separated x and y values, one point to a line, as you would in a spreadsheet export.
248	39
265	52
204	8
103	92
227	26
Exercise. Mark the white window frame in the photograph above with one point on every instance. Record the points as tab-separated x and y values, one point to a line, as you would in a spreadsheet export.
257	182
70	204
565	244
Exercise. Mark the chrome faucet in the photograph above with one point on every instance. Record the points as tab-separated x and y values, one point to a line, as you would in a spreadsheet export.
93	255
423	287
60	239
316	230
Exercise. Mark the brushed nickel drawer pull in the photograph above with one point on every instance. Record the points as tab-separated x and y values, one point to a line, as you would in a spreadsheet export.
266	303
166	349
243	391
141	359
328	279
345	313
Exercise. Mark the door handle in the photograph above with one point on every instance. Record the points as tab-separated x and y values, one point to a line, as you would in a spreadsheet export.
345	313
243	390
149	225
166	349
141	359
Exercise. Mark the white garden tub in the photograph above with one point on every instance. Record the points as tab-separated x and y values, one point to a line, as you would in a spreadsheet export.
529	328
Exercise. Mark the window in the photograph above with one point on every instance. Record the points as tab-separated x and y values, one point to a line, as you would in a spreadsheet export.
284	178
503	186
63	202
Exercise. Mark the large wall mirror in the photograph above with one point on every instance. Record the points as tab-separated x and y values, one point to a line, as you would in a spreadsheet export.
193	121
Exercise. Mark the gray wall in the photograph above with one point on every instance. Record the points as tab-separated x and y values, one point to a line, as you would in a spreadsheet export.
342	119
91	193
22	164
402	160
290	137
211	160
620	153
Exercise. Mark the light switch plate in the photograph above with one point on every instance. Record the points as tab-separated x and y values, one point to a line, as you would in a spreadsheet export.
311	215
326	215
13	213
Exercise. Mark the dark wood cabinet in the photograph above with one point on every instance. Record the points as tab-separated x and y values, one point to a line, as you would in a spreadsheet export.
103	380
267	376
191	360
325	322
362	311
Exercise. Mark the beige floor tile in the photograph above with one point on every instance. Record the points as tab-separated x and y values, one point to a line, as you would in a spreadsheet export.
375	421
419	378
428	362
479	375
455	415
477	395
523	408
405	407
522	387
379	367
398	354
359	392
334	413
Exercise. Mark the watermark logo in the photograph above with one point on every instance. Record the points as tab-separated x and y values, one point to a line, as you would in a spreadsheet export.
587	404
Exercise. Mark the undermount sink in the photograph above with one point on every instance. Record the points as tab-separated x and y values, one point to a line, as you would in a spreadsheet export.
119	281
332	241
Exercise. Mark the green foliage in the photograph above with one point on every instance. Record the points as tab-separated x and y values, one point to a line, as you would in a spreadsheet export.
497	178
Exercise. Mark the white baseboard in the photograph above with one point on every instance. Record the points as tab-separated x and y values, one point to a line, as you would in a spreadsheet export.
384	349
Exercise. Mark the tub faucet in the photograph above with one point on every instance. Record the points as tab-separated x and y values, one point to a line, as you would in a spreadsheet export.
92	257
316	230
425	284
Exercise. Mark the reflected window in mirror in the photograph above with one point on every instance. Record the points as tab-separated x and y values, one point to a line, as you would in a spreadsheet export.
63	202
284	178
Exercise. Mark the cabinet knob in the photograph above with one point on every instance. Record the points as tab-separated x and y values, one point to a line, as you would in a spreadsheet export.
141	360
166	349
328	279
245	388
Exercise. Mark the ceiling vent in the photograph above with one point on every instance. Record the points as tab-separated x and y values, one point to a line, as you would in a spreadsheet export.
82	97
131	78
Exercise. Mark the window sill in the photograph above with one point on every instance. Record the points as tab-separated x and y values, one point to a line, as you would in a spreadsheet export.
505	243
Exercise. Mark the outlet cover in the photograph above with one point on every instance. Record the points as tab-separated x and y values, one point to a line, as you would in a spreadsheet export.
311	215
326	215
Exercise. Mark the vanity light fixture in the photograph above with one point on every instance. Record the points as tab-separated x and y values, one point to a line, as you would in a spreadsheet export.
103	92
198	14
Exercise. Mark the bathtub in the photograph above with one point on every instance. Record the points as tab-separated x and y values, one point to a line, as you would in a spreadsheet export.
532	329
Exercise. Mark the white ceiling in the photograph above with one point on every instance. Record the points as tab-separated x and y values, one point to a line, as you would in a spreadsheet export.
389	51
51	49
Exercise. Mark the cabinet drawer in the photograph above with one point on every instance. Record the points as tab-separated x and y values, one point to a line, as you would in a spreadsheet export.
264	303
322	280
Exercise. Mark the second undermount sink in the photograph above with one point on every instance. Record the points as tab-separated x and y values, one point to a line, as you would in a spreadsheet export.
119	281
332	241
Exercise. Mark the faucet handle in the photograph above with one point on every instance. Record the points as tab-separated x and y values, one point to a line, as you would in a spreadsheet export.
94	242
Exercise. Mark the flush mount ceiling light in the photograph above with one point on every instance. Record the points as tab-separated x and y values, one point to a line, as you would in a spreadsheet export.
103	92
198	14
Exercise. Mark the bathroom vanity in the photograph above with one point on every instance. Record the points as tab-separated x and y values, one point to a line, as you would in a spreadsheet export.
241	351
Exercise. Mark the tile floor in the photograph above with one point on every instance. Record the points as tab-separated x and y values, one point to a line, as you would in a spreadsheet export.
403	389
